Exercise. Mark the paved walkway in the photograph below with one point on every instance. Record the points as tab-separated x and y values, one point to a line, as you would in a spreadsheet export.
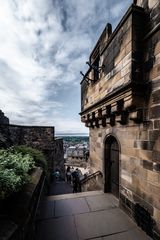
88	215
60	187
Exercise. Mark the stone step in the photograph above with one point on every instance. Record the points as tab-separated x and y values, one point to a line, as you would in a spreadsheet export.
74	195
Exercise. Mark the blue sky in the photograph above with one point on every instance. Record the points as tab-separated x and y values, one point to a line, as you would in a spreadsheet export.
44	44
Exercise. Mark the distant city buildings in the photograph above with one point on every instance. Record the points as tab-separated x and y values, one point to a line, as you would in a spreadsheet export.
76	150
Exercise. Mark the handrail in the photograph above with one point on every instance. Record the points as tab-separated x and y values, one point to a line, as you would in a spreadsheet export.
41	188
91	176
34	201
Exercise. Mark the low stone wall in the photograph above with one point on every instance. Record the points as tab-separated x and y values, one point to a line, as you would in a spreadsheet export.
17	213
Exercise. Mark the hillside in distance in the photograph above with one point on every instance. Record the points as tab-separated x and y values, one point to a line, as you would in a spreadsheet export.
74	139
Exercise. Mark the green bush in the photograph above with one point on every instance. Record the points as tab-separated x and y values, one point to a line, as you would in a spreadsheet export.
14	168
37	155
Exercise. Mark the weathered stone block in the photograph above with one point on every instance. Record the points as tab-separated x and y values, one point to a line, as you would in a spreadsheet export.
136	116
156	124
114	108
157	48
156	214
120	56
155	71
145	145
98	145
155	112
143	135
126	70
156	156
148	165
128	102
156	83
153	135
156	97
141	201
153	177
130	151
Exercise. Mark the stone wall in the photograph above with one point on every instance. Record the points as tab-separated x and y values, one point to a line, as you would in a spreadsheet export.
120	57
35	136
38	137
3	118
18	212
124	103
4	131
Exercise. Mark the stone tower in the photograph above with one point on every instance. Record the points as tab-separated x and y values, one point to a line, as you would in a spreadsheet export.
120	103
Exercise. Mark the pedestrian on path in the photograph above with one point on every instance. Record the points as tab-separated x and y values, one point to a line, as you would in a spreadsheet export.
76	181
68	174
55	175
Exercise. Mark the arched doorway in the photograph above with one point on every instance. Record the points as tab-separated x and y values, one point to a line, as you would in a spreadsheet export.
111	166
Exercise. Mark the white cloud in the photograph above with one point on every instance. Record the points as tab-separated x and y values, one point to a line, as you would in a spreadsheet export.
118	9
43	46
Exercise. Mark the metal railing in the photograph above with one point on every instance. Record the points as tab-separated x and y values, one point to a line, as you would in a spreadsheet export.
92	182
93	175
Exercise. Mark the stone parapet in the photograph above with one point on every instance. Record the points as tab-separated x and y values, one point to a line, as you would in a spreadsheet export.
17	215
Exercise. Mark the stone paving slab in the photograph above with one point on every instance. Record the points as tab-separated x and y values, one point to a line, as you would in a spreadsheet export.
71	207
57	229
86	216
46	210
60	187
101	202
75	195
134	234
96	238
101	223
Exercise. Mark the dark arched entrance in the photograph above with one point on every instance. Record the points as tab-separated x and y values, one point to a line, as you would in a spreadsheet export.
112	166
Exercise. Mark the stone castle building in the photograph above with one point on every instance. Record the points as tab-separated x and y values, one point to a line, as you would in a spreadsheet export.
120	103
39	137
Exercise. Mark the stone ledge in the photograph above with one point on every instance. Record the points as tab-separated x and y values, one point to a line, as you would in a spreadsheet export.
7	228
17	213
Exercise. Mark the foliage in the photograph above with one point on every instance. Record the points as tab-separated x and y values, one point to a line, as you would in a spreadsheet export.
14	168
37	155
75	139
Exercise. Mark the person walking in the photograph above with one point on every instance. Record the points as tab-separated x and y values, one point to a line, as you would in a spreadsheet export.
76	182
68	174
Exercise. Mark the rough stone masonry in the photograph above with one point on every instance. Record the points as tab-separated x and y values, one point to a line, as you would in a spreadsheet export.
38	137
120	103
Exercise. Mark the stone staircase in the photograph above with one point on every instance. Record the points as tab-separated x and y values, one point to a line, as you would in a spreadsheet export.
85	215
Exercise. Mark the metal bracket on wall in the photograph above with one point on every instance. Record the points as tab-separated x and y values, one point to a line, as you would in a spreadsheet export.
85	78
98	69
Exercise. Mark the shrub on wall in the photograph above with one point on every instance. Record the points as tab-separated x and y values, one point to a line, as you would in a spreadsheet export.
14	168
37	155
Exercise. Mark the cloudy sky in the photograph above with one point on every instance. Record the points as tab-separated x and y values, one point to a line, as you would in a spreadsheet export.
44	44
